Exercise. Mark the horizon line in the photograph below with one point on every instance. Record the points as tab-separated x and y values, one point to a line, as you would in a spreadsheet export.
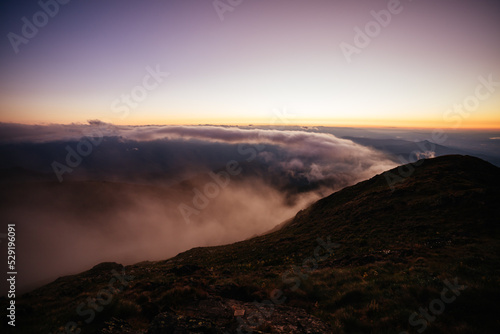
256	124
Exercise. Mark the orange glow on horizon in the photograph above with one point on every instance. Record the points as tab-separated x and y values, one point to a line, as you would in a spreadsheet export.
485	119
243	121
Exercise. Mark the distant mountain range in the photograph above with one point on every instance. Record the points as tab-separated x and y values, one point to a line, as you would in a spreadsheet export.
422	256
404	148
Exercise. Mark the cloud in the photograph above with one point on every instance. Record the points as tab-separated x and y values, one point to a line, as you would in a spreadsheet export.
315	156
150	171
425	155
23	133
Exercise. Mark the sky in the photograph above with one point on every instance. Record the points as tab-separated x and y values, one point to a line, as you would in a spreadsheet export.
422	64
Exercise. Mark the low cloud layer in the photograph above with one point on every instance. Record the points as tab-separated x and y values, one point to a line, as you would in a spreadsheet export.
172	188
315	156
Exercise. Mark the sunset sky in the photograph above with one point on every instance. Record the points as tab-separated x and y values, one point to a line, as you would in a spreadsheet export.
266	62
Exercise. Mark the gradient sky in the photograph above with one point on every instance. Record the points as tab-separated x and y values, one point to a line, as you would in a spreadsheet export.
267	62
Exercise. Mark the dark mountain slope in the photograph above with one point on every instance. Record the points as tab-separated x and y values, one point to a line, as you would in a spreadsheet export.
451	195
393	248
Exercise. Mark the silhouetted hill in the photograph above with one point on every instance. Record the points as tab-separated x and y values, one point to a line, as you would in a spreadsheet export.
381	256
